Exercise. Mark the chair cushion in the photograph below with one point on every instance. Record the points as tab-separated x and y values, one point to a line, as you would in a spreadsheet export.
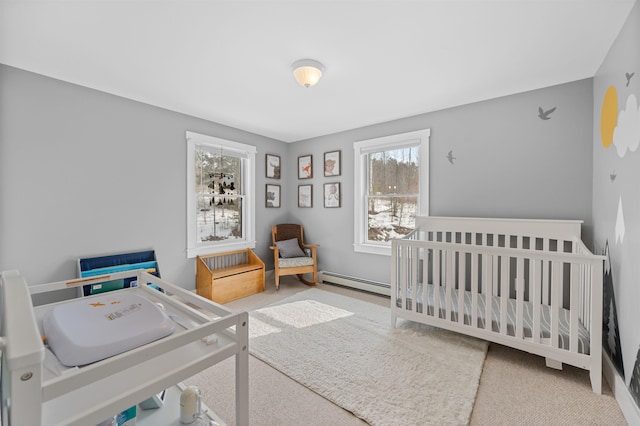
294	262
289	248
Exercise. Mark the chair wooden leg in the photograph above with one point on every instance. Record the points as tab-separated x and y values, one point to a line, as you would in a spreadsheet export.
277	282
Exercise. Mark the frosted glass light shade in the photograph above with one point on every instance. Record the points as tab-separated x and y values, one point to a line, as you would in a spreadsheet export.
307	72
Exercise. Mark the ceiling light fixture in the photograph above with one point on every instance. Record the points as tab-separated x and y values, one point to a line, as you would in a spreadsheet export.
307	72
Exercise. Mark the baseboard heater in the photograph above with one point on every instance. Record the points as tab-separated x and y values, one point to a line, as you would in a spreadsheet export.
358	283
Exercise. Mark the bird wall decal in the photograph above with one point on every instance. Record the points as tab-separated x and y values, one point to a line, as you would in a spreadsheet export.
628	76
450	157
544	115
613	176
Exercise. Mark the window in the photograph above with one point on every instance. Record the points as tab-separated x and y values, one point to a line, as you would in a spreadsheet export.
391	188
220	195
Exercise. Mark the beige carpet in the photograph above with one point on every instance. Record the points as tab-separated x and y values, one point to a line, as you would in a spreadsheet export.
515	387
346	351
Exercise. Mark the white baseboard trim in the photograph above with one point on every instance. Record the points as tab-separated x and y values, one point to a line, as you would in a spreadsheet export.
354	282
620	391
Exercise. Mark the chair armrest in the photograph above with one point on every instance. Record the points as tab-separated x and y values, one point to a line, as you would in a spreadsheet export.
312	248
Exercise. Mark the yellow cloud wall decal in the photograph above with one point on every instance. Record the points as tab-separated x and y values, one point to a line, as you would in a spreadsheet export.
609	116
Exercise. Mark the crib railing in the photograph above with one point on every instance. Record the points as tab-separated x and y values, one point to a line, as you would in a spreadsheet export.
556	274
529	284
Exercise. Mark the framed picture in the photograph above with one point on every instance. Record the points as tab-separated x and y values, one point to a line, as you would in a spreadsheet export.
272	166
332	194
305	170
305	195
332	163
272	196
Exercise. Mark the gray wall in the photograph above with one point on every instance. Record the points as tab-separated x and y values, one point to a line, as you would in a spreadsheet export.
84	173
509	163
620	227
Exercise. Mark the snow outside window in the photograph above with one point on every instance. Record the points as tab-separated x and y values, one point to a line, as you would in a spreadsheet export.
391	189
220	195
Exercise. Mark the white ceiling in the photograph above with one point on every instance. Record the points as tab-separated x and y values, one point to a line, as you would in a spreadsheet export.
229	61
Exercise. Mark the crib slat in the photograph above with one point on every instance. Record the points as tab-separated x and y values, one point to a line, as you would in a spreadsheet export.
424	278
495	273
519	298
437	280
504	293
536	282
462	272
487	267
574	285
394	283
403	277
414	258
474	290
530	295
556	288
545	274
583	289
449	284
495	289
585	285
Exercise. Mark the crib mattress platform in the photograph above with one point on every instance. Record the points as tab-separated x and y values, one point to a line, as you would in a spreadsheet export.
545	316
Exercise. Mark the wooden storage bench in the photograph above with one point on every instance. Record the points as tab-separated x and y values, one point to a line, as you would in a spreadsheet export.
223	277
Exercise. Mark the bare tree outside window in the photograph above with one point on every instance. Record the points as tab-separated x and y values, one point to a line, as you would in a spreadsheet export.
392	193
391	188
218	195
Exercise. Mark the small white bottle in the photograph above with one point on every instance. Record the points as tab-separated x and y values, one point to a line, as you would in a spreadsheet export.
190	403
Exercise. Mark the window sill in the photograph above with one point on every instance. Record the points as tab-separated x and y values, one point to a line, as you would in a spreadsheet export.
372	249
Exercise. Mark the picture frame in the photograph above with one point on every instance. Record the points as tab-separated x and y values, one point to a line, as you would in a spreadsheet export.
332	194
305	196
305	167
332	163
272	196
272	166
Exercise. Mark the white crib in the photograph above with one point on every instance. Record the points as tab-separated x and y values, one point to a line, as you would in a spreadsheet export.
543	284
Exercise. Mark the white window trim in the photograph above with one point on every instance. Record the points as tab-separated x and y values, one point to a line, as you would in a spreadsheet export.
194	248
419	137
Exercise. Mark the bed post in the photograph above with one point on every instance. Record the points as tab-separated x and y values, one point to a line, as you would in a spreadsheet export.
22	353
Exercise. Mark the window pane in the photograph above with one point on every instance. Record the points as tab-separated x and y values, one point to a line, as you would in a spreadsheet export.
218	187
394	171
390	217
219	218
214	169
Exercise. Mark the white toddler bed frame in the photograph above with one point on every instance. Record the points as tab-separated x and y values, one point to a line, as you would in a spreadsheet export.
545	286
37	390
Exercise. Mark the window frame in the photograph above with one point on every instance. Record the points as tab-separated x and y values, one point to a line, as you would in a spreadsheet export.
247	154
361	179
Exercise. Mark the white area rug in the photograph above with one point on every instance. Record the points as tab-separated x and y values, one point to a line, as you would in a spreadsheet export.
346	350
